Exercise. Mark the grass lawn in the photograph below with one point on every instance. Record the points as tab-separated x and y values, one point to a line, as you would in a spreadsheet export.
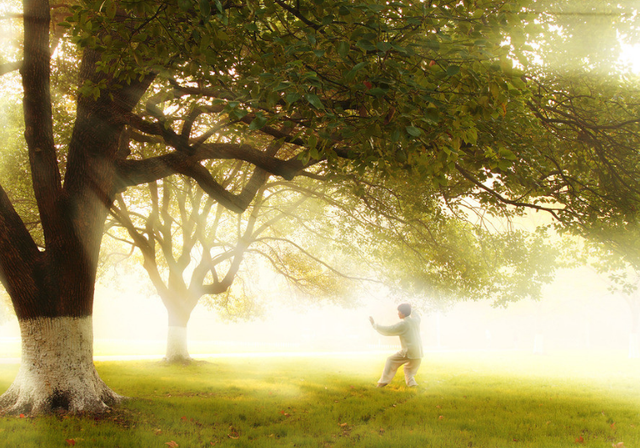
490	399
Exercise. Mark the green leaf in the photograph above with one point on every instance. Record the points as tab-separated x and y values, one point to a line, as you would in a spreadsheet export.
377	91
413	131
365	45
398	48
314	101
352	73
432	44
205	8
258	123
432	115
383	46
292	97
343	49
453	70
282	86
110	9
239	113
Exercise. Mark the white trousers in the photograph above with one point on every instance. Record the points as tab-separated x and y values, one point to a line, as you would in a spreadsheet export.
394	362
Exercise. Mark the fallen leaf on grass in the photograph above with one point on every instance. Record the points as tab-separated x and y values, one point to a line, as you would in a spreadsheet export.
613	425
183	418
234	434
441	417
580	440
22	416
172	444
618	445
70	442
285	414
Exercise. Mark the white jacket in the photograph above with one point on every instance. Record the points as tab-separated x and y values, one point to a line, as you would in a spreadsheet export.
409	331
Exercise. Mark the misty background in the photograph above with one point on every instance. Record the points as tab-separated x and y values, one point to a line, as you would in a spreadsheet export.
576	312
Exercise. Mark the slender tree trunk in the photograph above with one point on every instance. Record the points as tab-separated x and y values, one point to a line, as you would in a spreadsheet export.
177	350
179	310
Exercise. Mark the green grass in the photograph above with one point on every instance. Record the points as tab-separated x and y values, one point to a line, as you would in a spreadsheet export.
465	400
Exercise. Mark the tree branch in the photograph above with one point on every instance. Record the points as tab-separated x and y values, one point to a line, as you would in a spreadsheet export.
35	71
9	67
501	198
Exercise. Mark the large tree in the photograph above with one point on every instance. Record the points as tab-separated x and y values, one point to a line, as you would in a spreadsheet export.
358	86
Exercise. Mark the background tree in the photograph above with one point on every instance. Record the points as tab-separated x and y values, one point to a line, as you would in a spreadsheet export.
192	247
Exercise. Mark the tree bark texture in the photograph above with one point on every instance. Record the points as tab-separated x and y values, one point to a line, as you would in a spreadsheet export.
57	371
52	289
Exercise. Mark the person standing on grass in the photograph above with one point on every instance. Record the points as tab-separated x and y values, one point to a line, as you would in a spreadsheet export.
411	354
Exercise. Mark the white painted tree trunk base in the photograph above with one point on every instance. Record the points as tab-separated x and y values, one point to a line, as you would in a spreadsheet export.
177	351
634	346
57	371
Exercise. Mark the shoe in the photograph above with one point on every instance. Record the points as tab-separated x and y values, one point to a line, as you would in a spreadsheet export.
382	384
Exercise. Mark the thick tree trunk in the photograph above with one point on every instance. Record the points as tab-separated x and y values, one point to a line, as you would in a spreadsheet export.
57	370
